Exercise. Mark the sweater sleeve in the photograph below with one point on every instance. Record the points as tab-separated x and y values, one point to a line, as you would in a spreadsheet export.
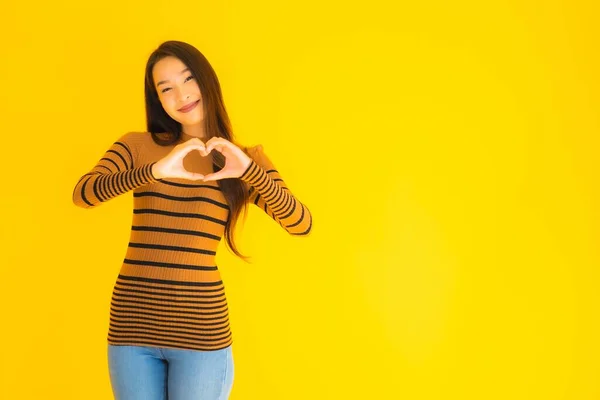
114	174
269	192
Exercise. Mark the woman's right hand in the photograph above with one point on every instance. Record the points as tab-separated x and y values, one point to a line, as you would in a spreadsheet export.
171	166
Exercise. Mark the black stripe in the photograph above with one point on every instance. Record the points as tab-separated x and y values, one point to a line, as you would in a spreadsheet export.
146	169
299	219
83	193
174	248
141	320
170	300
291	211
179	198
274	189
220	291
98	189
170	295
129	306
105	187
160	336
112	161
170	282
254	171
259	178
117	301
120	182
176	334
128	152
170	340
141	176
306	231
107	179
120	156
283	205
95	189
159	340
173	230
171	265
116	342
135	178
178	214
190	185
247	169
218	332
110	171
223	318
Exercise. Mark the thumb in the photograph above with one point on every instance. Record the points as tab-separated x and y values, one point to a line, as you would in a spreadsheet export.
190	146
193	176
215	176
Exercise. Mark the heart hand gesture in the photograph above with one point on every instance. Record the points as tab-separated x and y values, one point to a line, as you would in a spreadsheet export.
236	161
171	166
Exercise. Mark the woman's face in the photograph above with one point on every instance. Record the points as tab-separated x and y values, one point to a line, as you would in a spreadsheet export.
177	88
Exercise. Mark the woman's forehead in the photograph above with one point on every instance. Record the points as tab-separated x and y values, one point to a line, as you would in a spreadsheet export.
168	68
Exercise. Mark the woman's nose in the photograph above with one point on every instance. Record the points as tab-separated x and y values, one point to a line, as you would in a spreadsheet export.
182	94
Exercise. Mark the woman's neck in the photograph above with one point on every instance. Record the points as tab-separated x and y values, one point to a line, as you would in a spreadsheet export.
190	134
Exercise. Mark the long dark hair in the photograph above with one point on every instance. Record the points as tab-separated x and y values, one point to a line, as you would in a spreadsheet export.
165	130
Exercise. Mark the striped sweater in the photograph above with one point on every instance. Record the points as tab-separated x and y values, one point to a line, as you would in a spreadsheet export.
169	291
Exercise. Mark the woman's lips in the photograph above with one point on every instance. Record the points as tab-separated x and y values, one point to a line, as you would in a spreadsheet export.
189	107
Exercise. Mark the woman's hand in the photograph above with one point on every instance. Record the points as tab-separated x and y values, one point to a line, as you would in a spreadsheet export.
171	166
236	161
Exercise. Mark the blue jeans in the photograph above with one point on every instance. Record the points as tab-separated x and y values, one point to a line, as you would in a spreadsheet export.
159	373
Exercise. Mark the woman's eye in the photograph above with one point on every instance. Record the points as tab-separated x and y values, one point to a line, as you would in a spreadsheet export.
186	79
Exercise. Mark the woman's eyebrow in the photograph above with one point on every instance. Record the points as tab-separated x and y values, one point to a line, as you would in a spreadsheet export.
161	82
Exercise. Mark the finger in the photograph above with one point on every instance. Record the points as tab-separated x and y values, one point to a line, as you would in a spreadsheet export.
194	177
194	143
209	147
191	142
197	146
216	141
188	148
219	147
203	150
214	176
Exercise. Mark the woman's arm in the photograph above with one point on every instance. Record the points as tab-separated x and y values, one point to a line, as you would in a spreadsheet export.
113	175
270	193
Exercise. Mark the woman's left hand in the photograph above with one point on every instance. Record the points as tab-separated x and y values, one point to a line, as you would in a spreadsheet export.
236	161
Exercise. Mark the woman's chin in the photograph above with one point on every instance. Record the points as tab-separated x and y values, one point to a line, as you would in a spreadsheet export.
189	121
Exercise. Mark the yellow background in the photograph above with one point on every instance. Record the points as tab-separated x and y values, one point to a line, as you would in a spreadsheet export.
447	151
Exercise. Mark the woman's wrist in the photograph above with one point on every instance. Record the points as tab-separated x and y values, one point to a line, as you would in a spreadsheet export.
155	171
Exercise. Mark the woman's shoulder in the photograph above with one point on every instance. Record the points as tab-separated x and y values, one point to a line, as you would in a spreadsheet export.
258	154
134	135
139	142
140	138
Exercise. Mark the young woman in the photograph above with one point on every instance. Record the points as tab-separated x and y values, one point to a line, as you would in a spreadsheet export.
169	334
